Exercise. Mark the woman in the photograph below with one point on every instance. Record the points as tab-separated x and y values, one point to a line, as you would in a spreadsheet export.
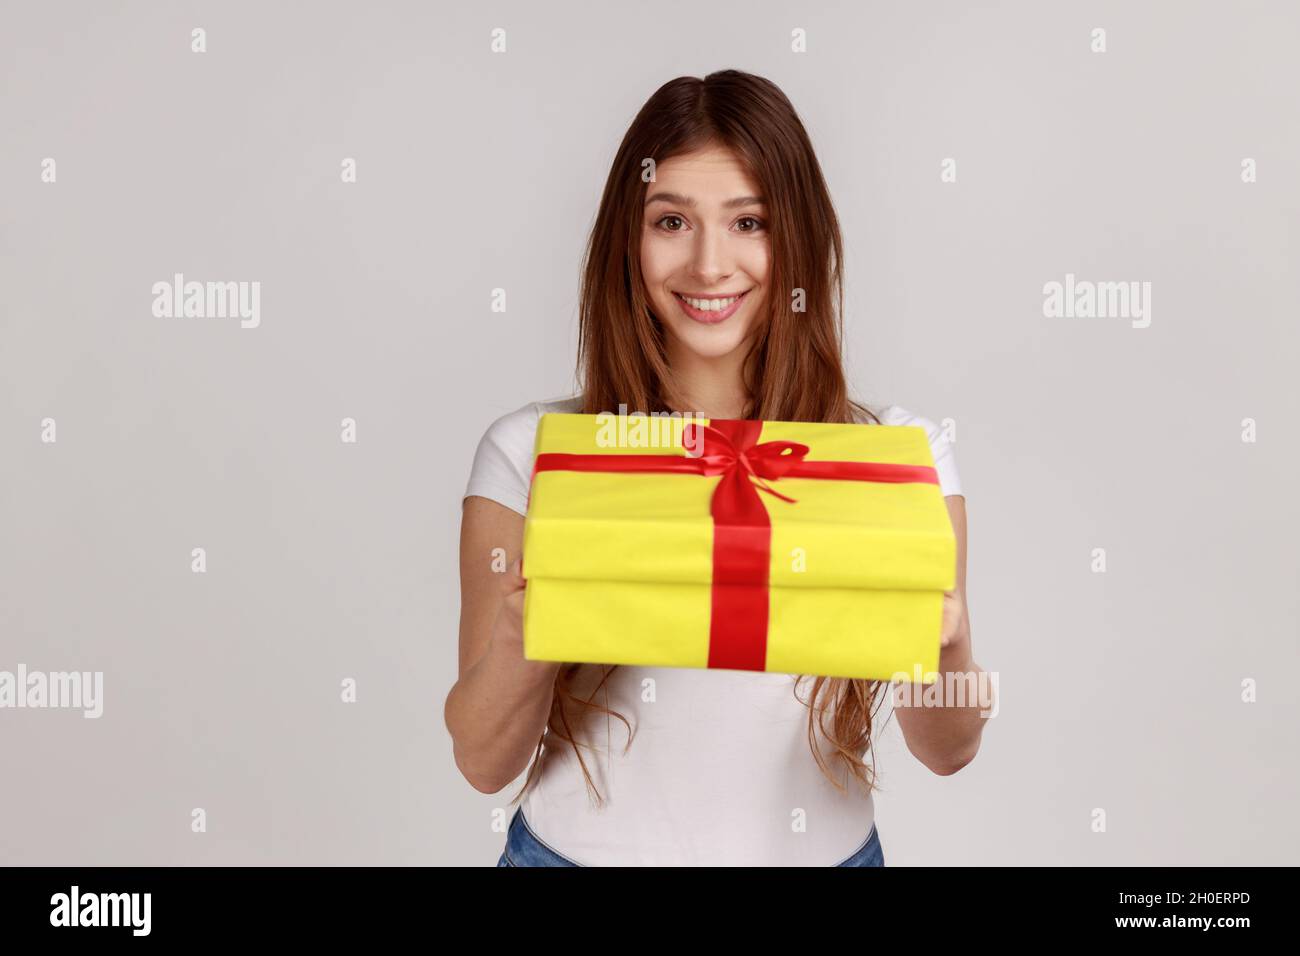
711	285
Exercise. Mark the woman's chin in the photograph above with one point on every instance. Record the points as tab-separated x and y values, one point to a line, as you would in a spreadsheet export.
709	344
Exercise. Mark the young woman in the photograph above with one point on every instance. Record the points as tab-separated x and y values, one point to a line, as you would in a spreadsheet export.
711	285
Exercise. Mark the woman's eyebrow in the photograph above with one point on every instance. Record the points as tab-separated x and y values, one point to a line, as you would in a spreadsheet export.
680	200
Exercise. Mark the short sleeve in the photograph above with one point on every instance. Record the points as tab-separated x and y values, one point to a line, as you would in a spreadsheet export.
945	457
503	461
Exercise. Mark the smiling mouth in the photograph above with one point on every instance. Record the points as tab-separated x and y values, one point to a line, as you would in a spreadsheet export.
710	309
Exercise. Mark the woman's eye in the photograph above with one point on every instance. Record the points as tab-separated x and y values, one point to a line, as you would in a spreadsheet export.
669	218
758	223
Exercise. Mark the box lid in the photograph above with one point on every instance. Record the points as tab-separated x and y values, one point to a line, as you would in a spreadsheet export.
891	532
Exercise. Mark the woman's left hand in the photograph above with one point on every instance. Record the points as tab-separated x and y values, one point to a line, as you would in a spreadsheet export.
954	638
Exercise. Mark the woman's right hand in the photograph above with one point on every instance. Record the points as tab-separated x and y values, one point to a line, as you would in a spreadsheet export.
510	619
509	631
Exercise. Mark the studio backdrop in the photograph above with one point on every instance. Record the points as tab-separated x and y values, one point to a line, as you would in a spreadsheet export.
1071	241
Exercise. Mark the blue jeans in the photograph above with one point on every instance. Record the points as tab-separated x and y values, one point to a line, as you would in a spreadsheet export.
524	848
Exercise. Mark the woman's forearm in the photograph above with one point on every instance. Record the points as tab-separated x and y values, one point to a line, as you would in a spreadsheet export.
497	712
942	723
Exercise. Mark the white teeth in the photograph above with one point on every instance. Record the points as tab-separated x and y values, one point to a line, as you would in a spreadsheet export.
709	305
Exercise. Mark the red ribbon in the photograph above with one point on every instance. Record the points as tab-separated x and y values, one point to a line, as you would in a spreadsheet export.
742	528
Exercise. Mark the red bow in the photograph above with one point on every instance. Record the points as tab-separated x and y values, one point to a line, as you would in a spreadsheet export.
742	528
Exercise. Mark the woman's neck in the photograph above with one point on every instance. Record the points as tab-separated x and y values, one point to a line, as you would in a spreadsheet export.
710	387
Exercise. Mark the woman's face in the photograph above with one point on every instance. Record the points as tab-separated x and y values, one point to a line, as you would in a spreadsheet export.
704	242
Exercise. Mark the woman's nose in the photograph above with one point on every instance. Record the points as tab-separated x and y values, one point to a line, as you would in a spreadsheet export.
709	258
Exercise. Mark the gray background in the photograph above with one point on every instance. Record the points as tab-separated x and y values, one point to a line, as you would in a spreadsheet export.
326	560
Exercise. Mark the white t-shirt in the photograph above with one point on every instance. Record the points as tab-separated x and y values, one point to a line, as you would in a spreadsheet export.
719	770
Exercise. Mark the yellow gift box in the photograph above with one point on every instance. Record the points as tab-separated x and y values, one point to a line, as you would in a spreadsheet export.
792	547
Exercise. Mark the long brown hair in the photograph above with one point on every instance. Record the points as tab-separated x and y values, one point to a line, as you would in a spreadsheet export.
793	372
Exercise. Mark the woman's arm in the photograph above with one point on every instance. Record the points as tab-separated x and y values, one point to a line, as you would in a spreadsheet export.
946	738
500	703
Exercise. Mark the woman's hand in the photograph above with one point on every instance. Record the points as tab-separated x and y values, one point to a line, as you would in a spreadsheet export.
954	635
510	619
